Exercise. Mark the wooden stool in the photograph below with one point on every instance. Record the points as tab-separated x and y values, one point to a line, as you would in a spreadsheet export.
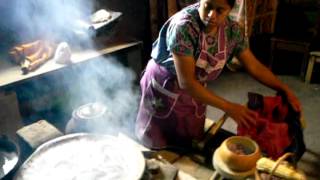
314	58
291	46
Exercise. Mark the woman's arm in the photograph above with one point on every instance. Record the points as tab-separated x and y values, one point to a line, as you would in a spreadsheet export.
266	77
185	68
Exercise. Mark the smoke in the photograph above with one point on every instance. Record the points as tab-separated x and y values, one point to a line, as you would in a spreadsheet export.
103	79
107	81
49	19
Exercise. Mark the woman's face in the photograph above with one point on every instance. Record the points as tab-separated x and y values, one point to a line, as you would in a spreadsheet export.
213	13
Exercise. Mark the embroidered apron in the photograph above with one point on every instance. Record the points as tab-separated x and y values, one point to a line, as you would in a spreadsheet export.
167	114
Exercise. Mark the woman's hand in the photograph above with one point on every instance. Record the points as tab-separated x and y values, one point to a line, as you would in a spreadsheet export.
242	115
265	76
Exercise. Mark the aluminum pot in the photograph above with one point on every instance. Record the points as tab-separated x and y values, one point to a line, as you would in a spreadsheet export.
91	118
84	156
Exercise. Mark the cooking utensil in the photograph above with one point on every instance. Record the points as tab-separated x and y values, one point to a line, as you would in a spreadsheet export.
114	16
236	157
85	30
239	153
226	172
81	32
91	117
82	157
8	156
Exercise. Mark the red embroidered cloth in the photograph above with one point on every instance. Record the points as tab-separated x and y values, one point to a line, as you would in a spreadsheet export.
271	129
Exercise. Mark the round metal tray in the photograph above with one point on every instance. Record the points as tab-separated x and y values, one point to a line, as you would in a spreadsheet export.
9	156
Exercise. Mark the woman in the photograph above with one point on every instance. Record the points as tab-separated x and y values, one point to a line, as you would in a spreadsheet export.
192	48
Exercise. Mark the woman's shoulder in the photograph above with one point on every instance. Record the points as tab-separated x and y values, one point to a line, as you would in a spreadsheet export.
187	17
233	29
232	24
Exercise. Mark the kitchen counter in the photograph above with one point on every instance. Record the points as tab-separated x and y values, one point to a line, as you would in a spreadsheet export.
11	73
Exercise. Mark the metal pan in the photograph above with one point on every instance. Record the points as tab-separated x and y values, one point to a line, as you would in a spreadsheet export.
114	16
82	157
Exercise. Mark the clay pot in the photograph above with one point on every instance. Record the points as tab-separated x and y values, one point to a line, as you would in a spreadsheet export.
239	153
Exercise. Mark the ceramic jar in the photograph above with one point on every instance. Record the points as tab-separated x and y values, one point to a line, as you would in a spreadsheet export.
239	153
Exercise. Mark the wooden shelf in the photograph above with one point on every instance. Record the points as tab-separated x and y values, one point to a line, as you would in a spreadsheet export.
10	73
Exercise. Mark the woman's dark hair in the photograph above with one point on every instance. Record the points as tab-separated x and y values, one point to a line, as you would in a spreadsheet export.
231	3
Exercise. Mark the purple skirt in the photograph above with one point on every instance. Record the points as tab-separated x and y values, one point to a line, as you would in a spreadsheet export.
167	115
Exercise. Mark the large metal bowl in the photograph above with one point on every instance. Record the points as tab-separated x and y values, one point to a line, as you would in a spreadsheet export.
83	157
9	156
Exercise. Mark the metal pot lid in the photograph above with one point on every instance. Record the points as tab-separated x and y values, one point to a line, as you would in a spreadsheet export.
83	157
91	111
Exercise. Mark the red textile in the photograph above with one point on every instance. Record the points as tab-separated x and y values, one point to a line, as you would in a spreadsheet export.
271	130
